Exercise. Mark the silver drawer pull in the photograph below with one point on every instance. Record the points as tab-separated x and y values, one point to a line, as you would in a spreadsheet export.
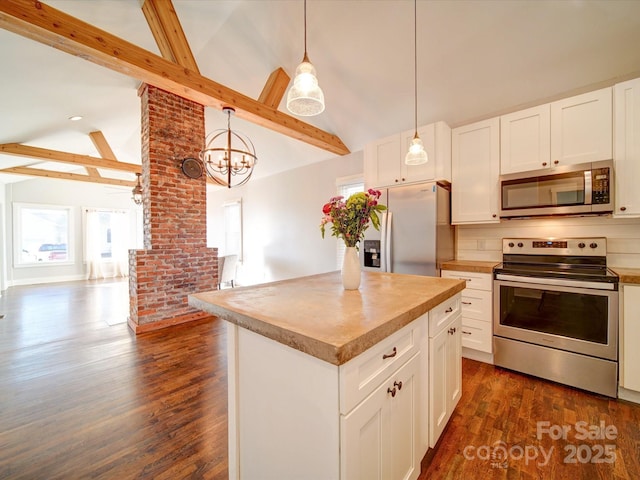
448	310
389	355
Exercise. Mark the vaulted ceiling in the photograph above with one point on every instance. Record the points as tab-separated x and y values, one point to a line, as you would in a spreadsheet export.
476	58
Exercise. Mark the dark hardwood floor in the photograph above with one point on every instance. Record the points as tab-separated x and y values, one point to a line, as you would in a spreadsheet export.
82	397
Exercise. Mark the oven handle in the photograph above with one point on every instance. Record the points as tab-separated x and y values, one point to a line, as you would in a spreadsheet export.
556	281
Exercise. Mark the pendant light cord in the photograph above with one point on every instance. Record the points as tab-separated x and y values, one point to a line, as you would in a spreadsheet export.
305	28
415	63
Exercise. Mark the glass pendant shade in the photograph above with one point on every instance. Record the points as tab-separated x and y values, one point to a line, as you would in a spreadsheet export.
305	98
416	155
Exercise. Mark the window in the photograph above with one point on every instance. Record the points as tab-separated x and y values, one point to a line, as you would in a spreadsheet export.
106	241
346	187
233	228
42	234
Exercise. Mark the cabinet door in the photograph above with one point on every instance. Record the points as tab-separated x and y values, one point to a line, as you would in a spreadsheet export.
630	365
525	140
382	162
454	365
426	171
437	386
627	148
581	128
475	171
364	438
405	407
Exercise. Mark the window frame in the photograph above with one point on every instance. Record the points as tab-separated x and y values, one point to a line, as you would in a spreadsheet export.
18	208
342	185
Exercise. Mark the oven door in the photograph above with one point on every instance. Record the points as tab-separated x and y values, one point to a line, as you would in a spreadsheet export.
575	319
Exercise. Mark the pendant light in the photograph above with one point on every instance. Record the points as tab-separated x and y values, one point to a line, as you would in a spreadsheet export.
416	154
305	98
229	157
136	193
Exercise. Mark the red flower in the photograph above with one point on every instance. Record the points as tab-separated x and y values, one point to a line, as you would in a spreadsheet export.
326	209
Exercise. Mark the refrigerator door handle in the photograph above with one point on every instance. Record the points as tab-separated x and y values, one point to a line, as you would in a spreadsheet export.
383	242
387	242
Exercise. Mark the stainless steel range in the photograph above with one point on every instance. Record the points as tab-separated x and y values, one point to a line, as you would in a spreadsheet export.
555	308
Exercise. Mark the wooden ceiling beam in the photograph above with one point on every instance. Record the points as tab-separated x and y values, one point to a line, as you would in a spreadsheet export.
64	157
36	172
275	87
40	22
166	29
104	149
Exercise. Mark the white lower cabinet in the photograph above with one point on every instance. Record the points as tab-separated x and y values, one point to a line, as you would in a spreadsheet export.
477	310
629	338
445	366
379	437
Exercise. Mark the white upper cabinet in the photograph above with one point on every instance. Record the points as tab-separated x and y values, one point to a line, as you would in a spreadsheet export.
525	140
572	130
475	171
582	128
627	148
384	159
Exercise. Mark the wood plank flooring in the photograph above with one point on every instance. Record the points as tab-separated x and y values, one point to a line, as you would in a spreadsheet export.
82	397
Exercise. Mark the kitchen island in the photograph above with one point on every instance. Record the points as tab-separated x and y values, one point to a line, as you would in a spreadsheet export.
309	362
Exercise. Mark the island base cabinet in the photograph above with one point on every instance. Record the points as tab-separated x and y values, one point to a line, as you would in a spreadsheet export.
445	369
283	411
379	436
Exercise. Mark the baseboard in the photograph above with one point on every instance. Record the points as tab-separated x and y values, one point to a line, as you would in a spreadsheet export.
628	395
41	280
167	322
477	355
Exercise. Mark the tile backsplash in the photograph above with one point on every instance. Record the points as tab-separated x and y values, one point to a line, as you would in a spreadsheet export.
484	242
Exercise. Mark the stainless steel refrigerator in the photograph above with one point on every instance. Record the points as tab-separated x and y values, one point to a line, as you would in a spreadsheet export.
415	234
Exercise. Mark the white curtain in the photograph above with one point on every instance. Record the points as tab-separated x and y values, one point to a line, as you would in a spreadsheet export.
92	245
119	243
107	231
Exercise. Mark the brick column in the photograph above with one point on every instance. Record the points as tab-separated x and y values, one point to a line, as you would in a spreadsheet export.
175	261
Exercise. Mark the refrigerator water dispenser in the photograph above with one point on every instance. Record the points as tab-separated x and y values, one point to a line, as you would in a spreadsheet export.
372	253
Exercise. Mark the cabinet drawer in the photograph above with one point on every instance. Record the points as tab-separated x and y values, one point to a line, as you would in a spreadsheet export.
441	315
479	281
477	335
476	304
363	374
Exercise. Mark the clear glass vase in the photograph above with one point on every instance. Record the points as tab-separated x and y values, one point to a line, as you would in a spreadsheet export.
351	269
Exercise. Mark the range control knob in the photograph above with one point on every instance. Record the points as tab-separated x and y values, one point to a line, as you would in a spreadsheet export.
593	245
520	244
581	245
511	244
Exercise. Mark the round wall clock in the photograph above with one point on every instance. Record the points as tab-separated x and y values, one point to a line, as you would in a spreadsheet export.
192	168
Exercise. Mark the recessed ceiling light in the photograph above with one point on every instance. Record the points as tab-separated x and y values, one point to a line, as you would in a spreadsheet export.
75	118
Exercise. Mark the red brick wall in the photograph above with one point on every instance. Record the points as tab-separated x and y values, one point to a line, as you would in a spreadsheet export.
176	261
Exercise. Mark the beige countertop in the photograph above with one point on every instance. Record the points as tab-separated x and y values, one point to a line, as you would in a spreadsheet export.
627	275
469	266
317	316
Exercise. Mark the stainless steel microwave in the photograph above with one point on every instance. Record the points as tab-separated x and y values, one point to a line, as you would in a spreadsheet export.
585	188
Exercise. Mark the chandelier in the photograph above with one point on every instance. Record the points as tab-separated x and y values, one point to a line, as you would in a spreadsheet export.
136	193
228	157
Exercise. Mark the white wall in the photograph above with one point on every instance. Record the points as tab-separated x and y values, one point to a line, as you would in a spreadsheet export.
281	218
484	242
65	193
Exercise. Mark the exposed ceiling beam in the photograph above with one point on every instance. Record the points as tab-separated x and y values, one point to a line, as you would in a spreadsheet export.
35	172
275	87
64	157
166	29
40	22
103	149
